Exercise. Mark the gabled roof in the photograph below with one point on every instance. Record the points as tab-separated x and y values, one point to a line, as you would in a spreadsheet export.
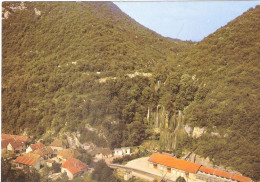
74	165
43	151
240	178
68	153
224	174
27	159
37	146
57	143
103	151
15	137
174	162
16	143
5	142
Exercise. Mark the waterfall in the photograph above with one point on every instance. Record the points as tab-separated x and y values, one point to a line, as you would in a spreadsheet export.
157	117
148	114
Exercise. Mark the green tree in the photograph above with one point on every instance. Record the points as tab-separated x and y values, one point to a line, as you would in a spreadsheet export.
102	173
180	179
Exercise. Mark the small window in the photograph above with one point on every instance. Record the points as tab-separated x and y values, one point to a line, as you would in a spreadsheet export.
155	166
169	170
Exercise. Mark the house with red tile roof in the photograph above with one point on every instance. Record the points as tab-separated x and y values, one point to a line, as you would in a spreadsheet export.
177	167
34	147
206	173
4	144
45	152
73	167
190	171
15	137
30	159
16	146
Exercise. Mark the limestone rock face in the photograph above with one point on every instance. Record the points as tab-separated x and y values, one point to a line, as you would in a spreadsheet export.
37	12
197	132
188	129
74	142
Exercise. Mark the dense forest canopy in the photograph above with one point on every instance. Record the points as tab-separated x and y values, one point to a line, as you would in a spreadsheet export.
70	66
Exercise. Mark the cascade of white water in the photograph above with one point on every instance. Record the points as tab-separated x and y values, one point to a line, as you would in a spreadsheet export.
148	114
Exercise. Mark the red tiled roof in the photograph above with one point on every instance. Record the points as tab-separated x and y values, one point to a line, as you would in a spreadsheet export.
15	137
222	174
174	163
16	143
240	178
5	142
21	138
43	151
74	165
37	146
207	170
28	159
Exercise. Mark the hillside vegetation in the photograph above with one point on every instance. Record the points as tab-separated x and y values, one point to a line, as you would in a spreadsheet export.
51	60
55	53
227	66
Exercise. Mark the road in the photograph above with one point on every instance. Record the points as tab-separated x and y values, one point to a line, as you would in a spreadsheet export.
141	173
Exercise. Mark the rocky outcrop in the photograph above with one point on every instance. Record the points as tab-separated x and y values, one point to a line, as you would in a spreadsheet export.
8	10
37	12
73	141
197	132
188	129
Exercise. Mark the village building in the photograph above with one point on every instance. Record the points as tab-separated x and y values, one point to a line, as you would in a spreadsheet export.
30	159
16	146
101	153
73	167
49	162
57	145
13	143
190	171
45	152
209	174
23	139
119	152
4	144
66	154
34	147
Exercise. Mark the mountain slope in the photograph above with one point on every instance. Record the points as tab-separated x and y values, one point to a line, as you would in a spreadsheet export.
54	49
55	54
226	64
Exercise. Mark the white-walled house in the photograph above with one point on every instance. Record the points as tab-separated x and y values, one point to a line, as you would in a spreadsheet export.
192	172
73	167
57	145
34	147
16	146
122	151
101	153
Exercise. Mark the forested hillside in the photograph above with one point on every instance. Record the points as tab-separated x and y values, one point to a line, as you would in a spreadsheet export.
227	66
52	60
70	67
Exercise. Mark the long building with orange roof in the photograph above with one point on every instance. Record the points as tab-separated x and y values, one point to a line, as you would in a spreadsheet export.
30	159
190	171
